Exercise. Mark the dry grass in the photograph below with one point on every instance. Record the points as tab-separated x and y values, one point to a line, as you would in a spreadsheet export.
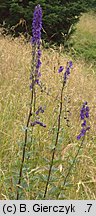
15	66
88	23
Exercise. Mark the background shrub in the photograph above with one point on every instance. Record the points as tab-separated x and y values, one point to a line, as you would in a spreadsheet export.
59	17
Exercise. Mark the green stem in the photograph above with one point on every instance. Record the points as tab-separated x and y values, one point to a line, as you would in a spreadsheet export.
56	142
24	147
70	168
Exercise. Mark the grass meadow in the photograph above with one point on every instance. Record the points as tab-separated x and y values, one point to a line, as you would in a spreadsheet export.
84	40
15	66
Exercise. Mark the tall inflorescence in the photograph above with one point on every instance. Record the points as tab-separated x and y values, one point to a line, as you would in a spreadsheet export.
36	57
67	70
84	115
34	77
65	78
36	42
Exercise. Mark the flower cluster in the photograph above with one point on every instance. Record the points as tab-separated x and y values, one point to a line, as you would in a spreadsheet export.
37	121
40	109
84	114
67	71
36	52
37	25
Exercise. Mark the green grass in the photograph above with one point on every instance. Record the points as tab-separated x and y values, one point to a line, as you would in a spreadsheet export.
84	40
15	66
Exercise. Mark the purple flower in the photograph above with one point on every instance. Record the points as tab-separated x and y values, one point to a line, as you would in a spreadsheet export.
87	109
39	53
37	25
36	38
60	69
78	137
38	122
84	113
67	72
38	64
65	77
37	81
87	114
84	123
40	109
83	131
70	64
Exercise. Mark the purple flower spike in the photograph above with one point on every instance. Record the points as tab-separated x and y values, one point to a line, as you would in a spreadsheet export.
37	25
60	69
67	72
84	113
36	42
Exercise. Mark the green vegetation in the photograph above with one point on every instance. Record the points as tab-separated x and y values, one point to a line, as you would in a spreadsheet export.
59	17
15	67
83	42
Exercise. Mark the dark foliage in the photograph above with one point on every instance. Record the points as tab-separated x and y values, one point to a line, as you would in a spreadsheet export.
59	16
